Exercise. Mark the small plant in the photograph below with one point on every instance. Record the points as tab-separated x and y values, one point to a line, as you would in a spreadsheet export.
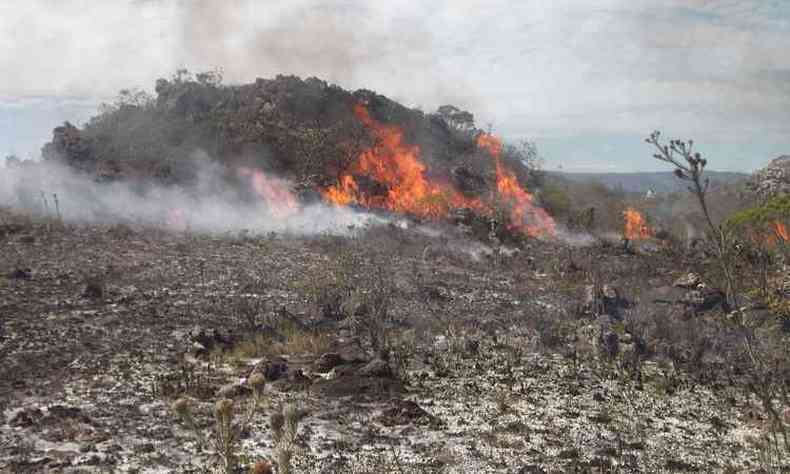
285	425
227	429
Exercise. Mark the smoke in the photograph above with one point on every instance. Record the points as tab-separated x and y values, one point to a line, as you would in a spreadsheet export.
218	200
351	43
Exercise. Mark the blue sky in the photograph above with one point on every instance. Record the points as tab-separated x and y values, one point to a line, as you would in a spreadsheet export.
587	80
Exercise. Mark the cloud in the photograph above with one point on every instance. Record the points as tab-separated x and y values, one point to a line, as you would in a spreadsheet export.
553	68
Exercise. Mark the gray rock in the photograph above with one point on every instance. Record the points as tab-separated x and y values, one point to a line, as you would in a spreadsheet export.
689	281
327	362
703	299
272	369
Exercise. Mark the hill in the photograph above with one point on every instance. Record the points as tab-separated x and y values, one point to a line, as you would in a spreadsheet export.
659	182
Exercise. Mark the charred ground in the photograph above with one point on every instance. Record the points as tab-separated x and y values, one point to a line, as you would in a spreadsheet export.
509	366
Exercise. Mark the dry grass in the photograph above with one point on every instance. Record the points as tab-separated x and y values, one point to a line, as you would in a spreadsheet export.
294	342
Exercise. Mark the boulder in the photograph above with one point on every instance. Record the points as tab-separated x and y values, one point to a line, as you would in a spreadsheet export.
203	340
272	369
688	281
407	412
327	362
703	299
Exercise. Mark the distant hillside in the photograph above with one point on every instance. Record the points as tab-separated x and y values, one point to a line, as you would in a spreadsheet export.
660	182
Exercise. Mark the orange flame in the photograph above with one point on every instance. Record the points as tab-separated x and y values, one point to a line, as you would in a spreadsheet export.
273	191
636	227
778	234
524	215
780	230
397	166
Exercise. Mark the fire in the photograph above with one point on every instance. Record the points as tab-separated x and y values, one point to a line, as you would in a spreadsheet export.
407	188
636	227
780	230
524	215
344	193
396	166
273	191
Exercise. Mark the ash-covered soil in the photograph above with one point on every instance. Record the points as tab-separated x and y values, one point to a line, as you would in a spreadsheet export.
493	361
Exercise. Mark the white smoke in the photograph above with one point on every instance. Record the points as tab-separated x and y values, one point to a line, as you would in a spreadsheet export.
212	204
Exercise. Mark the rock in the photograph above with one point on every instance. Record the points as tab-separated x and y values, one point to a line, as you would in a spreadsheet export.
94	288
376	368
471	346
406	412
26	417
688	281
327	362
21	274
272	369
203	340
351	385
703	299
63	411
606	300
531	469
508	252
772	180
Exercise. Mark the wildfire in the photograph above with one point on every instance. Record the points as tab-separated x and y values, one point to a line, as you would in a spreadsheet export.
274	192
778	234
396	166
780	230
636	227
524	215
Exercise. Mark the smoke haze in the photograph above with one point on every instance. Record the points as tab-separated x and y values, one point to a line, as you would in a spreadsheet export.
213	204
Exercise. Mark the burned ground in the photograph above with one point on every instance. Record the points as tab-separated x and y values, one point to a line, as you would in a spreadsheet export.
411	348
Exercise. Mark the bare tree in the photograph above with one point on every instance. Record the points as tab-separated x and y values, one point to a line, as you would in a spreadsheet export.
689	166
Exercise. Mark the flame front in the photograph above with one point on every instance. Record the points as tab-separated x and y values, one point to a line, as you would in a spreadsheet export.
524	215
780	230
397	167
636	227
274	192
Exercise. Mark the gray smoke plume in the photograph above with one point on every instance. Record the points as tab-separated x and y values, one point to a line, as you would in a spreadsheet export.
212	204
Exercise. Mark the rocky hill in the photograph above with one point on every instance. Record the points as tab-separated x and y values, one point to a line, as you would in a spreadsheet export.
307	131
772	180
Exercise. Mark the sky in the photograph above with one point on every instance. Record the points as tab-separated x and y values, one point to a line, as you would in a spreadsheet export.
586	80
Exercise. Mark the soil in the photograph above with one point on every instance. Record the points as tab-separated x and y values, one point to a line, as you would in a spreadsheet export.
104	327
